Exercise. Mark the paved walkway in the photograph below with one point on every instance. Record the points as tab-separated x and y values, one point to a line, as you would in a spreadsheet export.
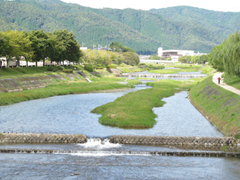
223	85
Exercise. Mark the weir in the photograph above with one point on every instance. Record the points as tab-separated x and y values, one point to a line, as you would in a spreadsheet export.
152	75
121	139
123	153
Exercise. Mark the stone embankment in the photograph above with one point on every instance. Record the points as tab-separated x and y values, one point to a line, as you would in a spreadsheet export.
121	139
175	140
41	138
152	75
19	84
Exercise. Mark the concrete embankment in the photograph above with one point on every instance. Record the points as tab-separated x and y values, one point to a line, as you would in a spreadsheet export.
41	138
122	139
19	84
175	140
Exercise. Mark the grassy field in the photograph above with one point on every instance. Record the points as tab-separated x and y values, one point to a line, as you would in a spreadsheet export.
134	110
219	105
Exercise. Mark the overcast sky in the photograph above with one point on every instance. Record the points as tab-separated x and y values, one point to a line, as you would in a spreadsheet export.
216	5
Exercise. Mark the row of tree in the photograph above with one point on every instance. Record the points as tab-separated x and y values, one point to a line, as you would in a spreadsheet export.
226	56
108	57
38	45
194	59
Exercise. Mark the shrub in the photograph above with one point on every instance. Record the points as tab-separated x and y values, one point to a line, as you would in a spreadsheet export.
89	67
112	66
55	68
123	65
68	70
100	66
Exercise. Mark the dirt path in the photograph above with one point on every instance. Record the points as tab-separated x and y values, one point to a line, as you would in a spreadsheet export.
223	85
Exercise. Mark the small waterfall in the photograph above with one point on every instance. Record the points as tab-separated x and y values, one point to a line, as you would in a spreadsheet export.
98	143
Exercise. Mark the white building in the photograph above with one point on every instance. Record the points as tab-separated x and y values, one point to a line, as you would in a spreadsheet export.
174	54
83	48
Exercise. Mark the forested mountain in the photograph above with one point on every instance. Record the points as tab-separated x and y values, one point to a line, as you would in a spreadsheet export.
143	31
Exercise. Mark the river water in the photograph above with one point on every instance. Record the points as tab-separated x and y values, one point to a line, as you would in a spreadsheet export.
71	114
99	159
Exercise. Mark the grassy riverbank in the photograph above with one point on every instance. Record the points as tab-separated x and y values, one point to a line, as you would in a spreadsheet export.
60	89
220	106
134	110
232	81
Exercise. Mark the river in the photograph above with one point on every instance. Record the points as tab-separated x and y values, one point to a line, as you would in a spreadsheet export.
99	159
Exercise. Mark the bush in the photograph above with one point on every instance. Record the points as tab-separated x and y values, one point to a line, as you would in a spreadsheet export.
89	67
100	66
68	70
55	68
123	65
112	66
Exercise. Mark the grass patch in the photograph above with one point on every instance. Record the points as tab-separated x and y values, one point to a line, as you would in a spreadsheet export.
184	66
134	110
57	89
232	81
221	106
171	71
207	70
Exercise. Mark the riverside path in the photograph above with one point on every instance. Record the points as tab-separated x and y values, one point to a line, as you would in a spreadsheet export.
223	85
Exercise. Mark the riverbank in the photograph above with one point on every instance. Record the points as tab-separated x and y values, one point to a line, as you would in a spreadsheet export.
134	110
60	89
219	106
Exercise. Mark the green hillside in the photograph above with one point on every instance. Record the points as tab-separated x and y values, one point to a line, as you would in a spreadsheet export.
222	23
143	31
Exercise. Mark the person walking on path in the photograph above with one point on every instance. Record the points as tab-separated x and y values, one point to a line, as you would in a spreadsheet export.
223	85
219	79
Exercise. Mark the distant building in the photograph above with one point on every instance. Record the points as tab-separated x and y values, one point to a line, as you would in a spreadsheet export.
83	48
174	54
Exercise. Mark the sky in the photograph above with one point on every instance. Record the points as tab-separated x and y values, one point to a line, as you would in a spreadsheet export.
216	5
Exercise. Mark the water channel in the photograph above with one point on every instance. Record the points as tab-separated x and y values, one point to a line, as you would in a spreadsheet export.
99	159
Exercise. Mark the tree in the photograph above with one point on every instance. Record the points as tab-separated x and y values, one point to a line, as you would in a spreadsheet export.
40	44
5	46
203	59
56	48
231	57
72	50
185	59
119	47
216	58
131	58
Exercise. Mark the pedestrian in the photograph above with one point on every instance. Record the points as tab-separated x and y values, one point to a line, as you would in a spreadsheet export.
219	79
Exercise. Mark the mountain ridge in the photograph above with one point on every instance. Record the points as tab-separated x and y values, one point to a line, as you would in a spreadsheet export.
180	27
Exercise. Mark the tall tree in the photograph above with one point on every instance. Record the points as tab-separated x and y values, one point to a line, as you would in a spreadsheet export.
231	56
216	58
5	46
40	44
72	50
56	48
